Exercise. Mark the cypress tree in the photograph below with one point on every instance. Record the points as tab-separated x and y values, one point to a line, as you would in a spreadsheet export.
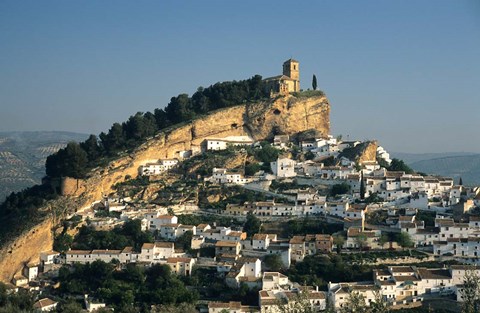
362	186
314	82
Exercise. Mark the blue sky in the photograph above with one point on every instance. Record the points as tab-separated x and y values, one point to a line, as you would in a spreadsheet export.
404	72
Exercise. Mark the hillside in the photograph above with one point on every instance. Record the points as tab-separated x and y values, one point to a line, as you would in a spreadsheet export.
260	120
467	167
452	164
411	158
23	155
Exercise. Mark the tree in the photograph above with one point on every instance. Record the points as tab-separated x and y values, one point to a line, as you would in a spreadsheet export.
404	240
184	241
70	161
70	307
309	155
383	240
339	241
355	303
252	168
471	292
339	189
314	82
362	186
91	147
273	262
299	303
361	241
399	165
379	305
460	181
252	225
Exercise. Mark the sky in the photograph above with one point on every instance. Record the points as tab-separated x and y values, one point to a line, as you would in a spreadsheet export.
406	73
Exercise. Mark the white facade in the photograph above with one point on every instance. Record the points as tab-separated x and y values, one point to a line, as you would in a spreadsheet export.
284	167
157	168
223	143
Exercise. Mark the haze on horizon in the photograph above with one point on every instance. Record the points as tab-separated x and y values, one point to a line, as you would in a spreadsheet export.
406	73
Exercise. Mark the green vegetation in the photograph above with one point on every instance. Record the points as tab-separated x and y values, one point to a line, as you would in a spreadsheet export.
427	217
130	234
20	210
318	270
339	189
404	240
273	262
125	289
252	168
399	165
21	301
227	195
76	159
252	225
265	153
308	225
279	186
314	82
308	93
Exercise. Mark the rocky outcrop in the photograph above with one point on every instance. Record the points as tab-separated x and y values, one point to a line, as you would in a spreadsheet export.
364	152
285	115
368	153
25	249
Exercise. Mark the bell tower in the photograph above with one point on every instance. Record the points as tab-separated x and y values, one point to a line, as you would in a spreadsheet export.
291	69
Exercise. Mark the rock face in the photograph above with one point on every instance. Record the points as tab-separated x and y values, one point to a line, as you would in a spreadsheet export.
368	153
285	115
25	249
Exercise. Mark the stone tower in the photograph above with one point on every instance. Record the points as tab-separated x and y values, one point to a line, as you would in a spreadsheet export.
291	69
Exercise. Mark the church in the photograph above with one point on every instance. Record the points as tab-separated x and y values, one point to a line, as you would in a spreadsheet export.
288	82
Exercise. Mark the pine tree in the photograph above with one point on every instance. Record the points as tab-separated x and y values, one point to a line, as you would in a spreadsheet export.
314	82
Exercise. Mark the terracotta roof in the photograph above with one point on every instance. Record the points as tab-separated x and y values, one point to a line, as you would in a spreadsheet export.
106	251
260	237
226	244
406	278
45	302
179	260
164	244
402	269
434	273
148	245
227	305
79	252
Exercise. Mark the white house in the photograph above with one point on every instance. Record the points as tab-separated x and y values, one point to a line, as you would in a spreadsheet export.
223	176
223	143
159	167
283	167
45	305
181	266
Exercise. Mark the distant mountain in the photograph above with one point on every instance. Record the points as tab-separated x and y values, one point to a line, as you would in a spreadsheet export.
23	155
462	164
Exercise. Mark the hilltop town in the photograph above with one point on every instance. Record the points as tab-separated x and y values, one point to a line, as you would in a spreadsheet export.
293	221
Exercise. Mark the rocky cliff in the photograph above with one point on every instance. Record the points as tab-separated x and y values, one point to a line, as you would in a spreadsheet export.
285	115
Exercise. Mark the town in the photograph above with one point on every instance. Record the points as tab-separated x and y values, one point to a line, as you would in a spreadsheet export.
292	200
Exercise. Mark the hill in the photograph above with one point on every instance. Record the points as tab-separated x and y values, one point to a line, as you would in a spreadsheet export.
23	155
467	167
43	209
451	164
411	158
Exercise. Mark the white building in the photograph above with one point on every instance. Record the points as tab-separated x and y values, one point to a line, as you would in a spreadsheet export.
157	168
223	176
283	167
223	143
